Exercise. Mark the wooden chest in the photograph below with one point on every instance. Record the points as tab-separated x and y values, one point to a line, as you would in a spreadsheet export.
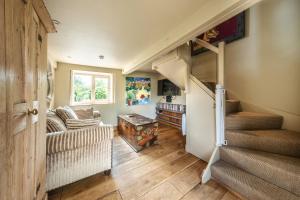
138	131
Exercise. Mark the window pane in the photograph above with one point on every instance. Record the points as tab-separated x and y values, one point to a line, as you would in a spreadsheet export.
102	88
82	86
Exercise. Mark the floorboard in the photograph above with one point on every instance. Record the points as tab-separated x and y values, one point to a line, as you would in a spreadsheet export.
163	171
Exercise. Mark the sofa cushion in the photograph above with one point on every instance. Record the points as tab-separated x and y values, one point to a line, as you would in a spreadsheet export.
96	114
54	123
81	123
66	113
84	113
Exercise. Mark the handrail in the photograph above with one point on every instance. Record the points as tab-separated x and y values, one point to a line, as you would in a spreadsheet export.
202	86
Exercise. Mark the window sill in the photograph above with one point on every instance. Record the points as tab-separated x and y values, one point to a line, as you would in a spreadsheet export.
91	104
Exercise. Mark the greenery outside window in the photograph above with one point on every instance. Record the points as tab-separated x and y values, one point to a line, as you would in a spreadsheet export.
91	88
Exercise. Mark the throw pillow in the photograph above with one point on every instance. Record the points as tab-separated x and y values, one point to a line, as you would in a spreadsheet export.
54	123
66	113
84	113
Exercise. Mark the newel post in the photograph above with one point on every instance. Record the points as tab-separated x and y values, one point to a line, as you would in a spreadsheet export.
220	98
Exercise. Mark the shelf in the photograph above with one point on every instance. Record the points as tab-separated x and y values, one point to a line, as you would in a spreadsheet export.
168	122
174	117
181	112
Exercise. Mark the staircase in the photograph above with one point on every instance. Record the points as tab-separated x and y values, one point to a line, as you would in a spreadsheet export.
260	161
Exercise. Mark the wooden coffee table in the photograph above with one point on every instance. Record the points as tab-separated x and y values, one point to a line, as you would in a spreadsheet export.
138	131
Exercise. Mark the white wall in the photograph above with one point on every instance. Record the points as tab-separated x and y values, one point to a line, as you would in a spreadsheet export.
201	136
176	99
109	112
262	70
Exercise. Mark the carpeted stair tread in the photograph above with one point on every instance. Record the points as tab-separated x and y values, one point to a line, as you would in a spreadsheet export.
253	121
232	106
283	171
248	185
275	141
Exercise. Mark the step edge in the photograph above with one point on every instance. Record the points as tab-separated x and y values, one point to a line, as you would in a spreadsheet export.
250	175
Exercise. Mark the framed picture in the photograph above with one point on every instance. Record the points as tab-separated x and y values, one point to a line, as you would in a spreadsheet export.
138	90
228	31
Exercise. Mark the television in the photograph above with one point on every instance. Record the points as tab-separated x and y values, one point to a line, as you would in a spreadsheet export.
167	88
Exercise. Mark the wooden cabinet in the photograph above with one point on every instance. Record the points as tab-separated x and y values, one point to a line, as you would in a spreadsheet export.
169	117
23	66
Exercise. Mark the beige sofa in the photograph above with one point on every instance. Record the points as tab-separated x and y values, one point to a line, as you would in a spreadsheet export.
75	154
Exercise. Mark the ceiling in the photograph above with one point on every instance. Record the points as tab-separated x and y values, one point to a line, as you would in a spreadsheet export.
117	29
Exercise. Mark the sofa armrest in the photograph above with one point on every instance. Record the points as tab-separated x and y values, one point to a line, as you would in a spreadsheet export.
73	139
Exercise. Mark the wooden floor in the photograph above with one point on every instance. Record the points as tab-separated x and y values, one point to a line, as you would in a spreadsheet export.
164	171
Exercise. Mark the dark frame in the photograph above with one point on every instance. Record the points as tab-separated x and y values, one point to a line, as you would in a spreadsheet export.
240	33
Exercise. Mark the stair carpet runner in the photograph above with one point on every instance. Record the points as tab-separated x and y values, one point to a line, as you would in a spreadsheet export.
260	161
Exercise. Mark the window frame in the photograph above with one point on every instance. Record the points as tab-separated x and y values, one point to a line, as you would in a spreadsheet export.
94	75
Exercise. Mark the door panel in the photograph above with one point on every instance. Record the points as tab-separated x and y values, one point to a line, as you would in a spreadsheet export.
40	169
31	82
3	114
22	79
17	186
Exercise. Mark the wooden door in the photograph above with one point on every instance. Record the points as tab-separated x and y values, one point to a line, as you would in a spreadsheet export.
41	97
3	113
23	102
35	83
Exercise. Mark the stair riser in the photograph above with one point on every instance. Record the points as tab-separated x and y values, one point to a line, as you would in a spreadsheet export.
267	144
232	107
286	178
253	123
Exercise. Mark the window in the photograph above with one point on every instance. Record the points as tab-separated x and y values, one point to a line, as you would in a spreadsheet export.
91	88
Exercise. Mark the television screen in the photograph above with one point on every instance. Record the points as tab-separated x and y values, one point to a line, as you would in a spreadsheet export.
167	88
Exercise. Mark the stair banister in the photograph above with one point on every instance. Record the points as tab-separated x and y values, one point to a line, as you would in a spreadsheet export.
220	106
220	91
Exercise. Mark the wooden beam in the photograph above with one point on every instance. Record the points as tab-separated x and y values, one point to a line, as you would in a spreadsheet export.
207	45
44	15
206	20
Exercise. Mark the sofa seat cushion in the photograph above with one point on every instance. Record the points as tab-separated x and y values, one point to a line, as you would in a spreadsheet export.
54	123
81	123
